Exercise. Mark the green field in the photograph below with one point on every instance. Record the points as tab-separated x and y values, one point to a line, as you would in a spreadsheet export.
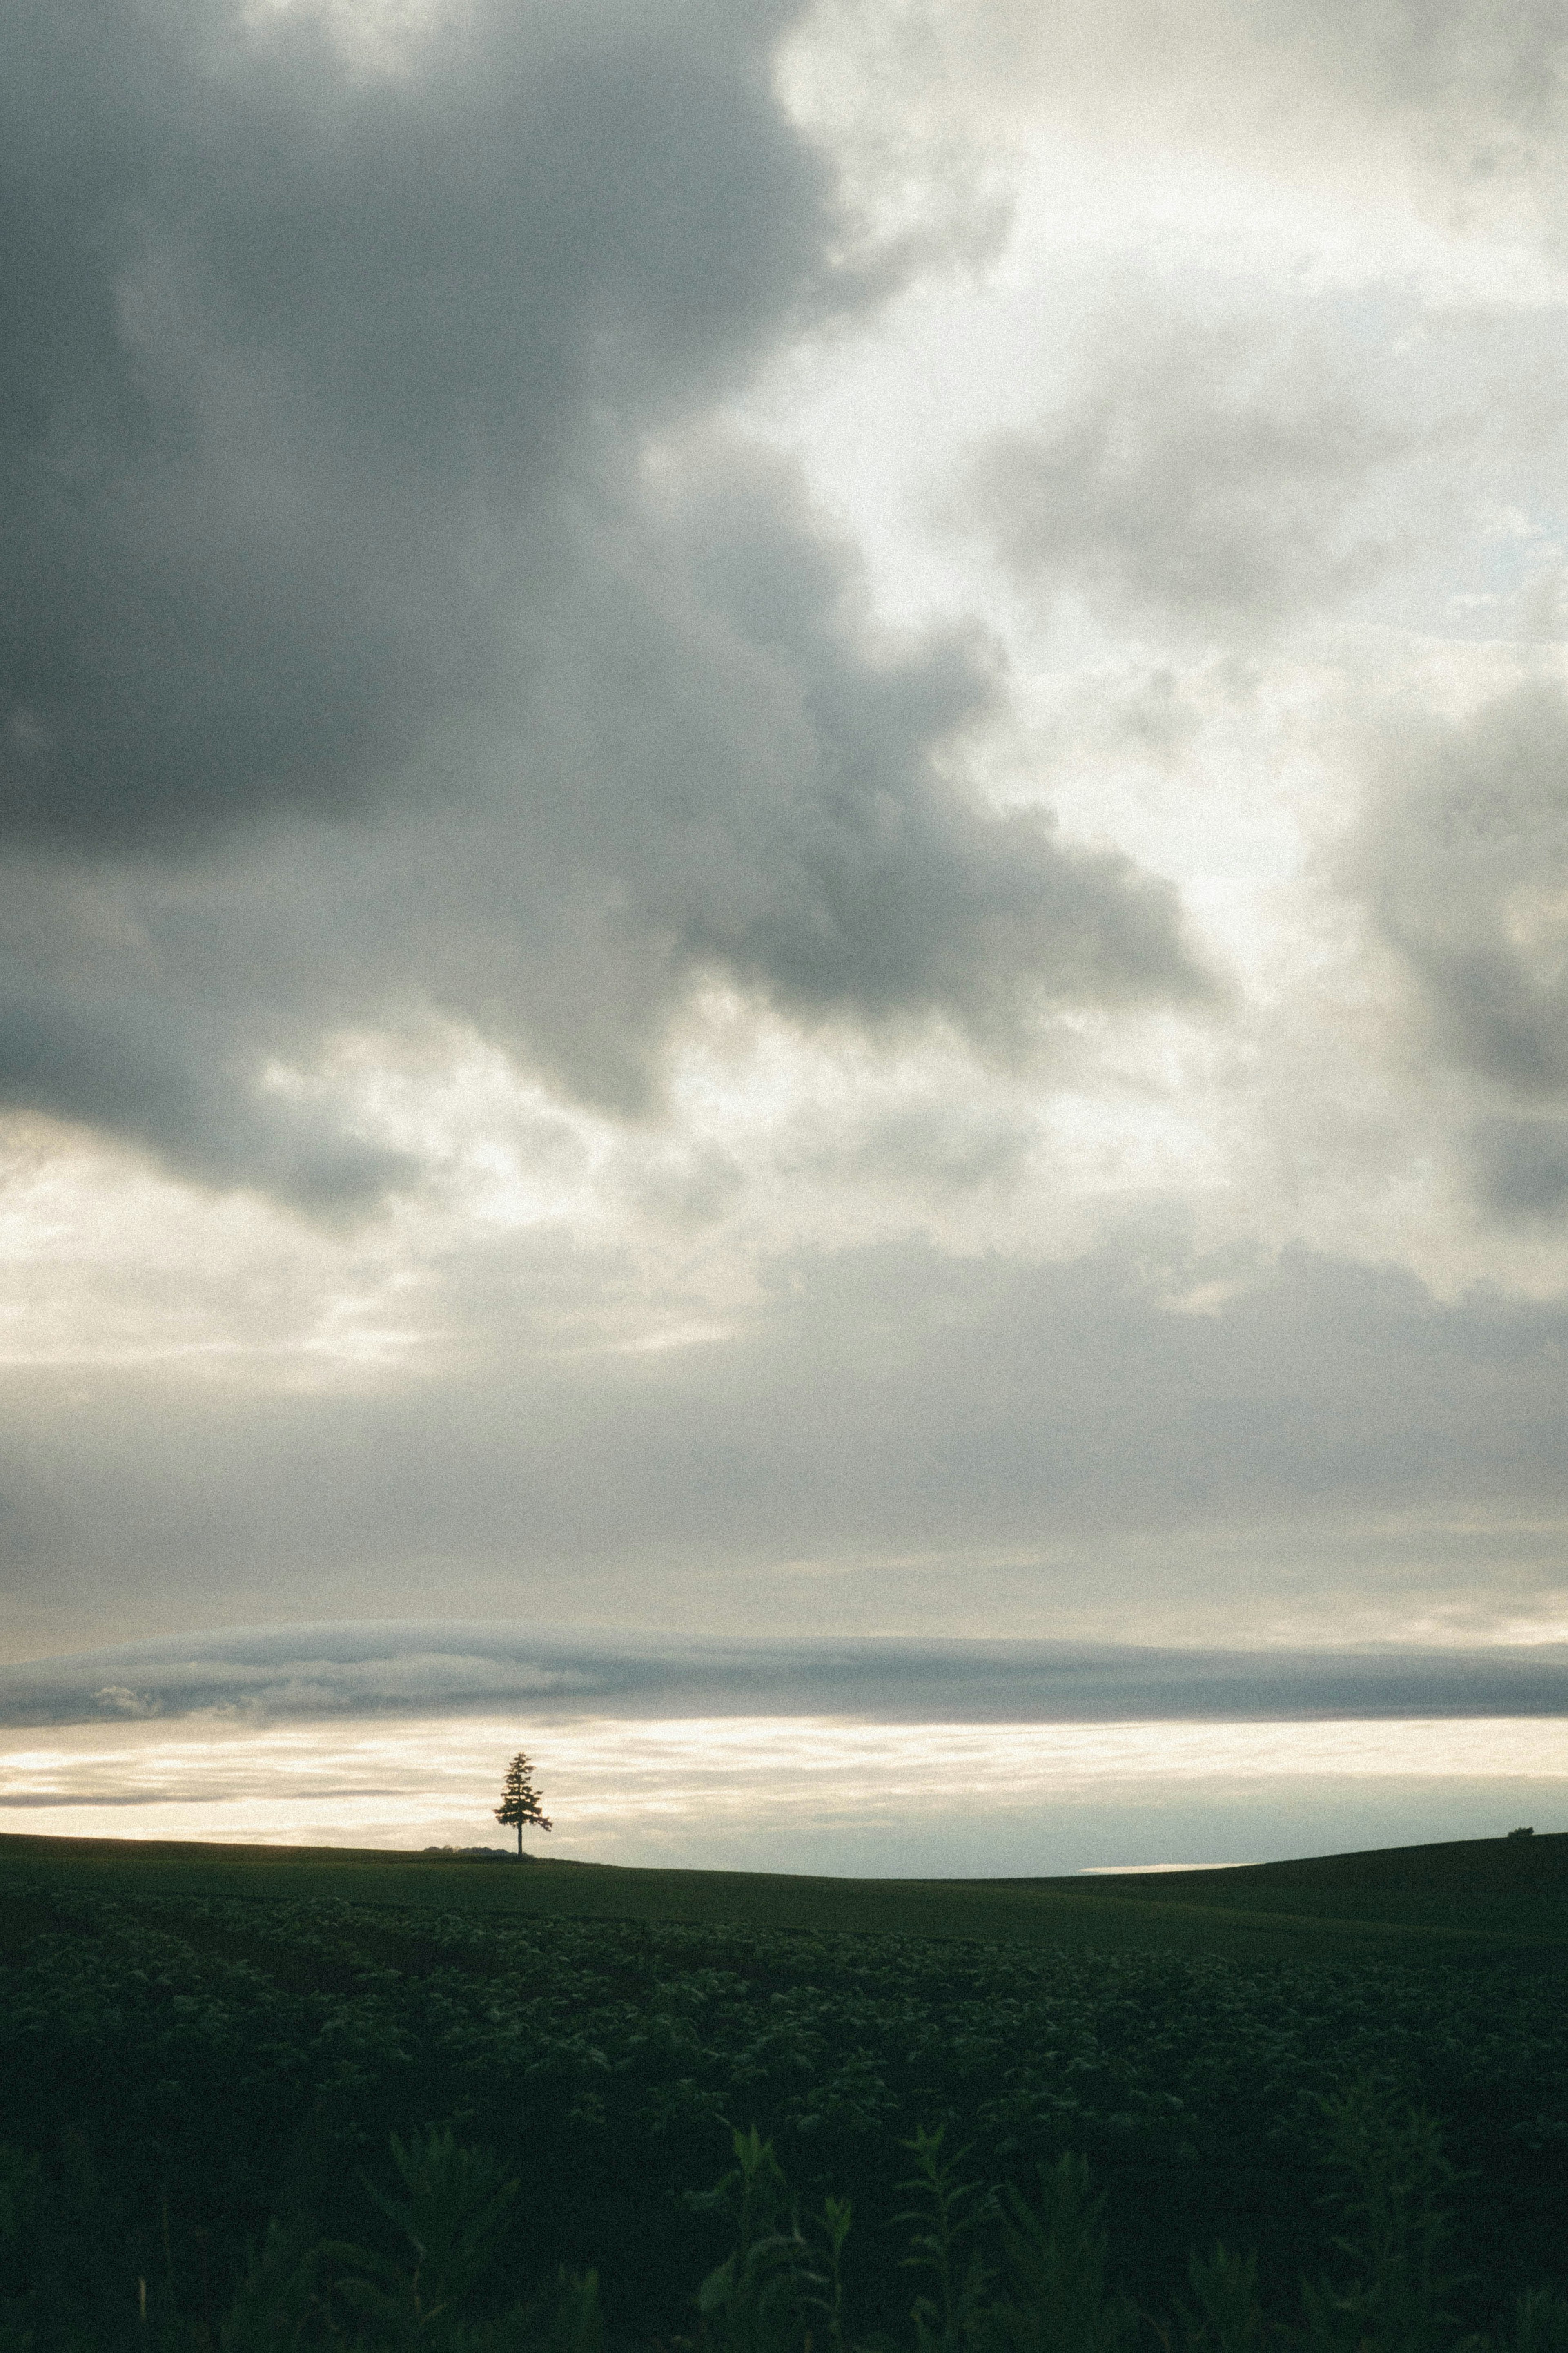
1474	1901
208	2052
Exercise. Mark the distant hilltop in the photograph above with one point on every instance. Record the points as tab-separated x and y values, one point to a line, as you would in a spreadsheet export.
481	1853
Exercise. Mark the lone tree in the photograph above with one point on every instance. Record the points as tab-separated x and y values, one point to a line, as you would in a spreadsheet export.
519	1804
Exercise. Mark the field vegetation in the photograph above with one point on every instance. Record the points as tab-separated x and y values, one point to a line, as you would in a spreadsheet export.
276	2097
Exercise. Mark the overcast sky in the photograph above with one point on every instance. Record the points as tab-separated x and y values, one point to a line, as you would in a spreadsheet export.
784	804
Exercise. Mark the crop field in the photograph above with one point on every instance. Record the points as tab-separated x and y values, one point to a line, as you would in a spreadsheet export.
1474	1898
201	2046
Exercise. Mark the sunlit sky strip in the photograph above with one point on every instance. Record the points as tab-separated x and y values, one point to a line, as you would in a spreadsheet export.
765	1792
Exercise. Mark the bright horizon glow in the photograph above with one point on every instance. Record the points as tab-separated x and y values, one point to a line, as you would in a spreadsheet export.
801	1793
1149	1870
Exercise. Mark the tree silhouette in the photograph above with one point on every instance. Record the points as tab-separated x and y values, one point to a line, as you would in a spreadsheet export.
519	1804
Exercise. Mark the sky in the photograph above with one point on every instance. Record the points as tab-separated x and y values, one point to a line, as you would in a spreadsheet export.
783	924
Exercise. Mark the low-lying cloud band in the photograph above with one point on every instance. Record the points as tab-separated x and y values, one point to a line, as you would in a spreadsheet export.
368	1671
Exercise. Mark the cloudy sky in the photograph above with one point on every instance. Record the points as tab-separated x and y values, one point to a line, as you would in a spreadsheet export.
783	859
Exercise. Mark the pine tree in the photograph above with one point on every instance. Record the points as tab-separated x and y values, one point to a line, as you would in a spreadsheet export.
520	1801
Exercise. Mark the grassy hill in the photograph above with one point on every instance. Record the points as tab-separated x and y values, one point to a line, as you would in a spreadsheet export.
1515	1888
1472	1901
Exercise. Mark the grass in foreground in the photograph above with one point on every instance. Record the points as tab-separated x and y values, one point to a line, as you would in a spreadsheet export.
989	2270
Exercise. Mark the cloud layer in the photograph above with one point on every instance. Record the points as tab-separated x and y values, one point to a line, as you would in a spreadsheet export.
391	634
1207	476
891	1434
782	850
318	339
1469	866
283	1673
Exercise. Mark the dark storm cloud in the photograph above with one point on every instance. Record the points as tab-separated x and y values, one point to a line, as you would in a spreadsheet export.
727	773
149	1073
453	1668
1466	862
350	646
875	1405
293	345
1208	477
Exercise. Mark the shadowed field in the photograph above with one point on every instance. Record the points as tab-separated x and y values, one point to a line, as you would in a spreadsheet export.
206	2051
1472	1901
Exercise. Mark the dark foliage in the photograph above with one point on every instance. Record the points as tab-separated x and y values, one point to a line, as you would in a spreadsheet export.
200	2098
